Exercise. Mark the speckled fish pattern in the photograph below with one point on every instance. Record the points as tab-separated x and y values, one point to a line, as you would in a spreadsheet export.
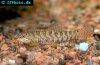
57	35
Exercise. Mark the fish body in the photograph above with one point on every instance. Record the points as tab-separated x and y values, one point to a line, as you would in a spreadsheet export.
57	35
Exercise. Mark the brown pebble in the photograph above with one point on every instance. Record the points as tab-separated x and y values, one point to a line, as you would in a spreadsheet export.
22	49
1	37
4	47
98	45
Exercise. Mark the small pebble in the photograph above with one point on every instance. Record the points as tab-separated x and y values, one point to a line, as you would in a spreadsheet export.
82	46
98	46
97	31
19	61
13	48
24	40
89	62
11	62
4	47
94	59
22	49
62	62
1	37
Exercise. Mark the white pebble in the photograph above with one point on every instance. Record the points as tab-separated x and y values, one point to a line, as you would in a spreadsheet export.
11	62
24	40
97	31
82	46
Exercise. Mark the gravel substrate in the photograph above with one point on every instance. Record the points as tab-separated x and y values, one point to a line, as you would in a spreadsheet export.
17	47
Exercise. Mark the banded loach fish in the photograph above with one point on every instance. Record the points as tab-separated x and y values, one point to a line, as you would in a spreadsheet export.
66	36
